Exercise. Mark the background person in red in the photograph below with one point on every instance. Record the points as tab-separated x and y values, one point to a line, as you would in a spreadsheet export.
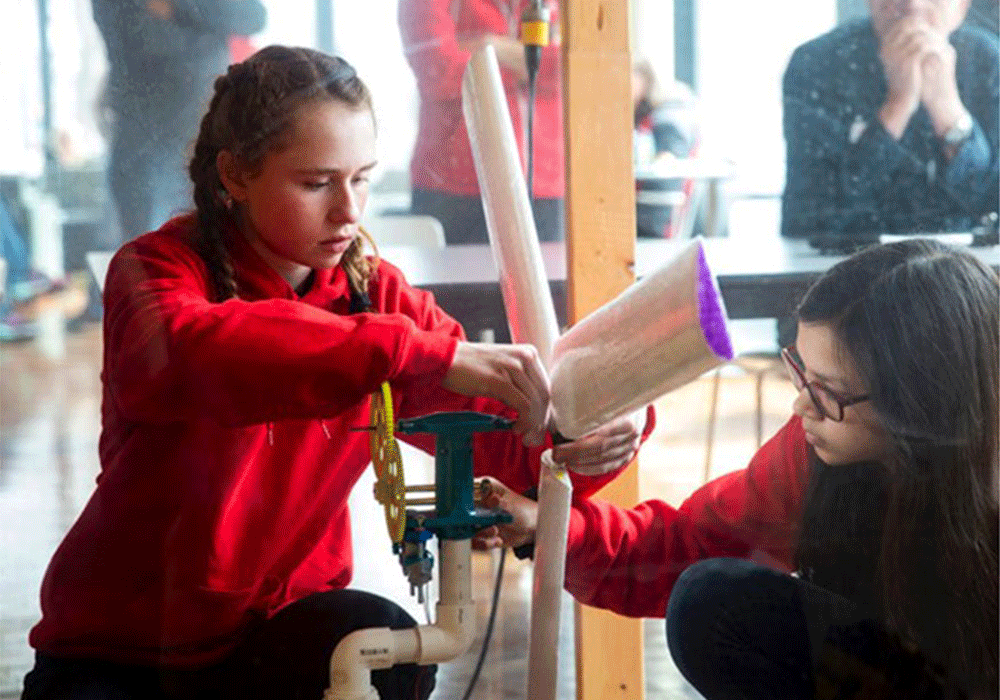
241	345
880	493
438	38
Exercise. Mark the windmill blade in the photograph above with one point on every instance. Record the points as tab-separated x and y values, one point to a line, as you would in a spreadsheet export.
664	331
531	316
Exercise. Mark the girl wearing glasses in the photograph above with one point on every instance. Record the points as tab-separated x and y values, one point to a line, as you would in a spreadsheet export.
856	555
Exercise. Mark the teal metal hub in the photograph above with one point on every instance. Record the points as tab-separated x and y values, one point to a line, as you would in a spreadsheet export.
456	516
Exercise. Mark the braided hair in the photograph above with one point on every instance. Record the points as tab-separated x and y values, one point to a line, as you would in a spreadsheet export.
251	113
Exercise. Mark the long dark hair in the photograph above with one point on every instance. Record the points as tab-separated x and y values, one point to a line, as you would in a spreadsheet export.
919	321
252	111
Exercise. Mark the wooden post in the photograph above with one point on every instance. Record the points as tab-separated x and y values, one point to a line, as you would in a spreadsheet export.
600	245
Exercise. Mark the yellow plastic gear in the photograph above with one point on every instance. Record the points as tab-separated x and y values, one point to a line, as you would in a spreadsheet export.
390	487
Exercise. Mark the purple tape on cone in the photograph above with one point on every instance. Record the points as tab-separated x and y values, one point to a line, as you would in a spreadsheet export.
713	315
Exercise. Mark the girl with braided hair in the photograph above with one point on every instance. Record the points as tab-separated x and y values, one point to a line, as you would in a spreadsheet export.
241	345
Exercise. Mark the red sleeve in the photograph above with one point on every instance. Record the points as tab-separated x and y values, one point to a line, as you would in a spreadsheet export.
627	560
171	351
499	454
431	47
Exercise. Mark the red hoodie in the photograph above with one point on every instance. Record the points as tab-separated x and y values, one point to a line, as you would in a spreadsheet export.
627	560
226	452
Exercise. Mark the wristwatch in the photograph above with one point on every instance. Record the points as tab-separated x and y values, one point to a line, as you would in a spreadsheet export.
959	131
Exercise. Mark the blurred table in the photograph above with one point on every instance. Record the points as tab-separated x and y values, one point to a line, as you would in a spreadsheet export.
687	168
758	279
660	189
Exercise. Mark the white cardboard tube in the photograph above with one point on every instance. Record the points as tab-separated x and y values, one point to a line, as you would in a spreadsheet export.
531	315
555	492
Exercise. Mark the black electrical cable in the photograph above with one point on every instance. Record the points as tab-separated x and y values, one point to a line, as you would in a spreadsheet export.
489	626
533	58
534	35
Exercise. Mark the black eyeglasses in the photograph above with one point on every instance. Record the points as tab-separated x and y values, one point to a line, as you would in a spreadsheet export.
828	402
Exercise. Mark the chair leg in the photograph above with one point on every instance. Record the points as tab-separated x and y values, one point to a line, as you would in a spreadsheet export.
710	438
760	408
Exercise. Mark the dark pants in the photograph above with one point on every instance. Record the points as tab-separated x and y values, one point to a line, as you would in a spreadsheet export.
464	221
739	630
286	657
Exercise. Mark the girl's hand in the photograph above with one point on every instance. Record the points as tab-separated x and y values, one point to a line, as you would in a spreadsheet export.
521	531
512	374
605	450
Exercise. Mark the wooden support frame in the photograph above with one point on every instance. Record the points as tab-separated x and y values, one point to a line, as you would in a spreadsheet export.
600	236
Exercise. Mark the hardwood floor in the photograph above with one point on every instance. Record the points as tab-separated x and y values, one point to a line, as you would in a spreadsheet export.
50	423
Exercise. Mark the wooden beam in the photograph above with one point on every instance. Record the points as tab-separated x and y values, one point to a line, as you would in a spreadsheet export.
600	237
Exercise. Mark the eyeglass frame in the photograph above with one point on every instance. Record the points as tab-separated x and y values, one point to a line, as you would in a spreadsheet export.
797	372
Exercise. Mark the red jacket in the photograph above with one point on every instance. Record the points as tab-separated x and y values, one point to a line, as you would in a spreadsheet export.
442	157
628	560
226	452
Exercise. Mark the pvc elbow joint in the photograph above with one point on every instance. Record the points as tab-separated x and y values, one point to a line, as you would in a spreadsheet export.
450	637
360	652
364	650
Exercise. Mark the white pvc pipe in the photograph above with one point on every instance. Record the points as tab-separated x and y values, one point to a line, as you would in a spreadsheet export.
657	335
362	651
531	315
555	491
456	621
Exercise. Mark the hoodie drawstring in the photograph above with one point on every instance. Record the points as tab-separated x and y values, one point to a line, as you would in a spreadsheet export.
270	431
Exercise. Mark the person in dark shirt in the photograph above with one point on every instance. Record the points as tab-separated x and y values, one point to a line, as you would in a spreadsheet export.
891	124
163	56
